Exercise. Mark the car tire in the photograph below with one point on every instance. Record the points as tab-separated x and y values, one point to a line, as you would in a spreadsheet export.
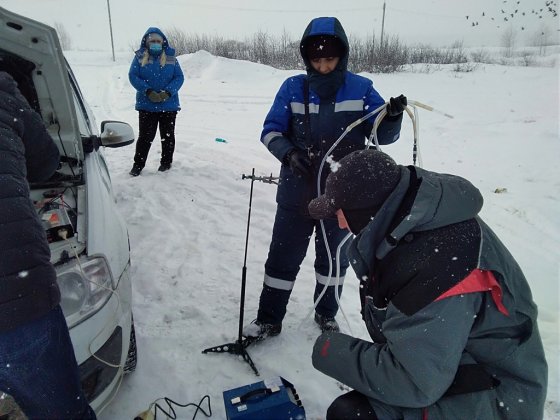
131	357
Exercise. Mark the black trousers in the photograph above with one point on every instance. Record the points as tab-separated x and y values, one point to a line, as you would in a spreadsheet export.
350	406
290	239
147	126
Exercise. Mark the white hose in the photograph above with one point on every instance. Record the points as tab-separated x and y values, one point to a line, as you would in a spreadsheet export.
381	113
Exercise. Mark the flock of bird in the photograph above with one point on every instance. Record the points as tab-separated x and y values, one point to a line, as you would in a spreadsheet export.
550	6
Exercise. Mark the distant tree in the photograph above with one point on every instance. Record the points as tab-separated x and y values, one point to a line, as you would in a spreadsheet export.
389	56
228	48
542	38
63	36
509	37
261	48
288	51
178	40
480	56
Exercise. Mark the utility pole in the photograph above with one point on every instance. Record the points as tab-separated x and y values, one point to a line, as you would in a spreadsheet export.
382	24
111	29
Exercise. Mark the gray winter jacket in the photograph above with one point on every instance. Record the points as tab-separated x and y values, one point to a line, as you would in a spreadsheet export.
450	313
28	288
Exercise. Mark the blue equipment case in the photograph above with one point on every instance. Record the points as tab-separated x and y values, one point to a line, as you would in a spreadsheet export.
271	399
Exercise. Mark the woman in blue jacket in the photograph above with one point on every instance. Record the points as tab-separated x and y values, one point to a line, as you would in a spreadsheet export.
157	77
308	115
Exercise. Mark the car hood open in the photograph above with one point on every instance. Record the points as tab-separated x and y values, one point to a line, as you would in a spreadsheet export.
33	50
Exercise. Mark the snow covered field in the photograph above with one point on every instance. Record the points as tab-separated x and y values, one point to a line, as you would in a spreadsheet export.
187	226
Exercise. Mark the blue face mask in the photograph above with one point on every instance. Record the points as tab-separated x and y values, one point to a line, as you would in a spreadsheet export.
155	49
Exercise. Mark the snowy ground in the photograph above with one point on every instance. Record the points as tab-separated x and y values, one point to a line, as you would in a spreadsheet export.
187	226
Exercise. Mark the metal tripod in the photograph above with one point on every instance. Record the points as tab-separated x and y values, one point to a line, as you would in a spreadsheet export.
239	346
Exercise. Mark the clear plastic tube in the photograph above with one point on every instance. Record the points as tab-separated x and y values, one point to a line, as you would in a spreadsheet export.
381	113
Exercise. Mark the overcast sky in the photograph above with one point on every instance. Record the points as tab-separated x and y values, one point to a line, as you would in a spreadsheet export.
436	22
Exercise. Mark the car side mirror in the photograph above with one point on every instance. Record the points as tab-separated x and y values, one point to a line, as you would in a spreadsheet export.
116	134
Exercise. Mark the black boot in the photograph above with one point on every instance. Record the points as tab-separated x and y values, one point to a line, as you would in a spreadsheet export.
327	323
258	330
164	167
136	169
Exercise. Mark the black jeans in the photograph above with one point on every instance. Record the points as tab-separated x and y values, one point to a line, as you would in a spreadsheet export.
147	127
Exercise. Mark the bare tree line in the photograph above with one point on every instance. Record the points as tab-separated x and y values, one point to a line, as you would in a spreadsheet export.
367	55
283	53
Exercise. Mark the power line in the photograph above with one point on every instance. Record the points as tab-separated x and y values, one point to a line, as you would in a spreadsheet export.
286	11
415	12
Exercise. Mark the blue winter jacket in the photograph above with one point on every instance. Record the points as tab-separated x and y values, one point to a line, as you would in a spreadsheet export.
154	76
285	125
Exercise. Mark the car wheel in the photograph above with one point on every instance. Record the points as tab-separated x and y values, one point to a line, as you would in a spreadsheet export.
131	357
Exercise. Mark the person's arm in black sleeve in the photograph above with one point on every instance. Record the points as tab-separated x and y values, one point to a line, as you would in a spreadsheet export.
41	153
389	129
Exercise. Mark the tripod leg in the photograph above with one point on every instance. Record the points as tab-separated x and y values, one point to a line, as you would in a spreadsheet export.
247	358
224	348
237	348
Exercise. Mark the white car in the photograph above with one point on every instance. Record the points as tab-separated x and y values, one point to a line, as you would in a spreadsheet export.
88	238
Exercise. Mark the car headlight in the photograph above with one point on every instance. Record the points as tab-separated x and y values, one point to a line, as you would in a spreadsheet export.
85	286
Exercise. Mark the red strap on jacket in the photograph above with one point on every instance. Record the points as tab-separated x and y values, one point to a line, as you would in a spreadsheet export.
478	281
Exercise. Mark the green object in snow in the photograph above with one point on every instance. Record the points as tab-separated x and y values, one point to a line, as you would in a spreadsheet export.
220	140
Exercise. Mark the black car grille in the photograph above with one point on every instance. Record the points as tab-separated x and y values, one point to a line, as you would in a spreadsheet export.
96	375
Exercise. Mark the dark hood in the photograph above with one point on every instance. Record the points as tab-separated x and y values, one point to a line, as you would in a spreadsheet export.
442	200
439	200
325	26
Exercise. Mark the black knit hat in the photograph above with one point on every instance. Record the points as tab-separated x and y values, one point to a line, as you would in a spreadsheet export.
323	46
363	180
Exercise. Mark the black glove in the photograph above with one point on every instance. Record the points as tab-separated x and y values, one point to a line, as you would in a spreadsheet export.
299	162
153	95
396	106
164	95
